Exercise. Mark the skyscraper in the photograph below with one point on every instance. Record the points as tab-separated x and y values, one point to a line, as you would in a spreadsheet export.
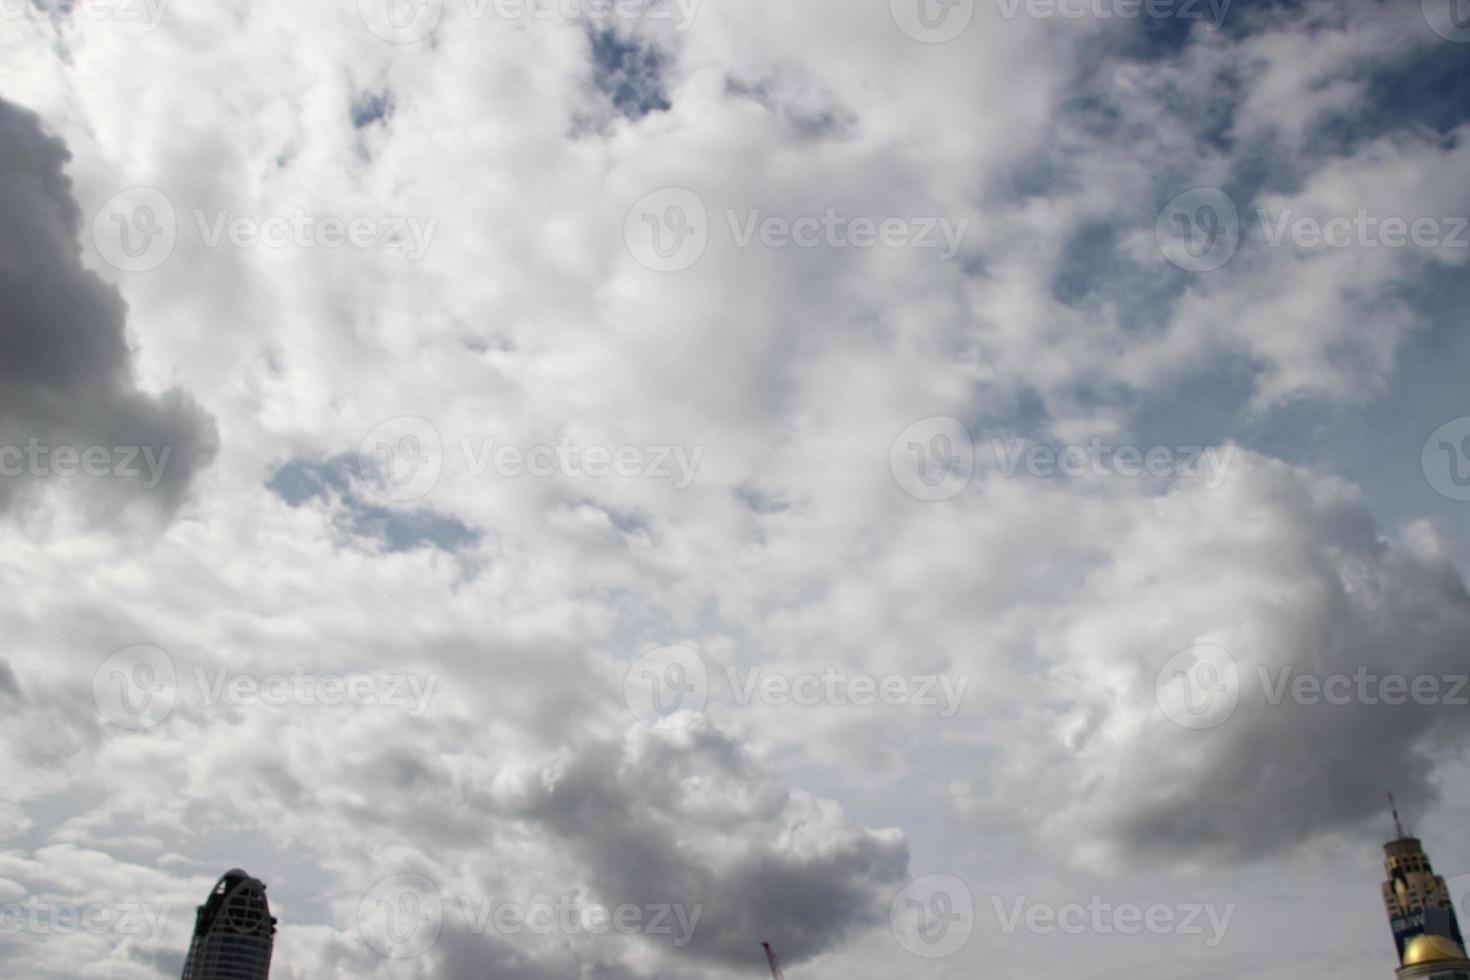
1421	913
233	932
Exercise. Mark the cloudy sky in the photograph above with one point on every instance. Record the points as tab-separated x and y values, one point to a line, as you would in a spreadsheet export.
562	488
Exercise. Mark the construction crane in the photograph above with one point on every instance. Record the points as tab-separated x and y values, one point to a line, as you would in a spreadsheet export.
776	973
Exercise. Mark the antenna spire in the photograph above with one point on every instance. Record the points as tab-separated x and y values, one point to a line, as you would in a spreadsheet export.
776	973
1398	827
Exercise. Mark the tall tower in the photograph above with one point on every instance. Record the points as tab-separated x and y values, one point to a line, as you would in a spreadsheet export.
233	932
1421	912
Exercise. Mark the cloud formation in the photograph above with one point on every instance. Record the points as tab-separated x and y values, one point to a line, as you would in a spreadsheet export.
66	381
859	501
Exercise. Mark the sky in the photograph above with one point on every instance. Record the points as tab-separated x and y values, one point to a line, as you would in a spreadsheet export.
580	488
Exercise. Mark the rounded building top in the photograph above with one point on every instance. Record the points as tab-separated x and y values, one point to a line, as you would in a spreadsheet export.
1432	949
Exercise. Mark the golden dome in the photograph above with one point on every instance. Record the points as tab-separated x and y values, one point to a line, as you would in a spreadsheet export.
1432	949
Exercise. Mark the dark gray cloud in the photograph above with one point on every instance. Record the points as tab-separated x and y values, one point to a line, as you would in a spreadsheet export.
1349	651
8	683
66	379
1279	774
649	823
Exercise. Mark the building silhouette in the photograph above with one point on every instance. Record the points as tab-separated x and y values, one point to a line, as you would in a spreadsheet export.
1421	913
233	932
